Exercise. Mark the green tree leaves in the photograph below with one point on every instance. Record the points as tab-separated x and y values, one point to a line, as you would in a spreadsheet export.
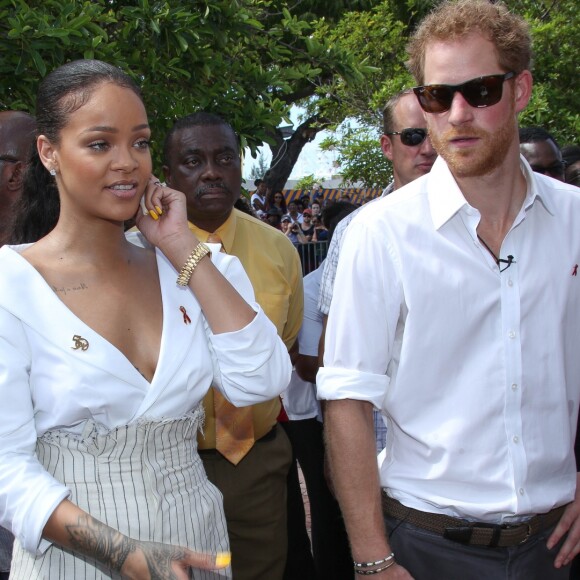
247	60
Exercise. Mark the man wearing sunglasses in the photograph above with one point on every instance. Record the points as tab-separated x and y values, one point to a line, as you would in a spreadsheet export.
404	141
456	312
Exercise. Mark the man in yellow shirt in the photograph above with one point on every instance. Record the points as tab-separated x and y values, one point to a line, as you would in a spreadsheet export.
202	159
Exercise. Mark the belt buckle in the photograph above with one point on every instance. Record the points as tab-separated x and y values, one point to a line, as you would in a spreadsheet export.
528	534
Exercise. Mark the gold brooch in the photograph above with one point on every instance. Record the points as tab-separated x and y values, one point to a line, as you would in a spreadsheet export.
80	342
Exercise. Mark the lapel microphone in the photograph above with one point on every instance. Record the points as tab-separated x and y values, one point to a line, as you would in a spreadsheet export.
510	260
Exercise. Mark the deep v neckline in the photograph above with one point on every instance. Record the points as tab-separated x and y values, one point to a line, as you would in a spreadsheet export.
53	297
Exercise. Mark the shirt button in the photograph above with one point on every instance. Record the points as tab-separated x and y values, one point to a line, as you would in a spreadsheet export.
511	334
514	387
510	282
516	439
521	490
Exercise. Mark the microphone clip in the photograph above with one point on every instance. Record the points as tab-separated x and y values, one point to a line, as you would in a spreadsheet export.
510	260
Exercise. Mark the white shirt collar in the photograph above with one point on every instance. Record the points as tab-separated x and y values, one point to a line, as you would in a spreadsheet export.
446	198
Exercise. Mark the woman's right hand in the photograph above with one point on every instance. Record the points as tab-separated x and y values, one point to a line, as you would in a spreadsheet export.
72	528
153	560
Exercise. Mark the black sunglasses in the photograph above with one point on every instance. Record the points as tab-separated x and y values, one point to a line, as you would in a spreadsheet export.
480	92
411	137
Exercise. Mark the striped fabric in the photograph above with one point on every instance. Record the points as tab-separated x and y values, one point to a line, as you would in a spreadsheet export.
145	479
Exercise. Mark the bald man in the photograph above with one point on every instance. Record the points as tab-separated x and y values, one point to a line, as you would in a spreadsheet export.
17	133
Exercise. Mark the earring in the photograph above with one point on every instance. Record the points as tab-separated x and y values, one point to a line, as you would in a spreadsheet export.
53	172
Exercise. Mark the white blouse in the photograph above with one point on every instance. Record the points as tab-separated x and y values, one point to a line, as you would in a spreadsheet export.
45	383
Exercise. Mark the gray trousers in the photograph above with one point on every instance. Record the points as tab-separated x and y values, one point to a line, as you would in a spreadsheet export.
428	556
6	540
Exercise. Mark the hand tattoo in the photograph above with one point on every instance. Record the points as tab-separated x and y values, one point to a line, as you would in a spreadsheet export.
159	558
101	542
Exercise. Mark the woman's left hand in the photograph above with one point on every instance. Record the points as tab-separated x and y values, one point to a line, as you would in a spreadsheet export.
166	219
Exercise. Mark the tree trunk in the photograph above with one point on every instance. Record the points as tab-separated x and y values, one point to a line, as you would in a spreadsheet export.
286	152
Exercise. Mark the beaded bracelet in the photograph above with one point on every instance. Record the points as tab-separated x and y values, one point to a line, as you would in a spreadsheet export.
377	563
192	261
375	571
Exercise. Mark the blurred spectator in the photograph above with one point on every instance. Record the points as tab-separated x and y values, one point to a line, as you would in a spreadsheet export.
315	207
274	217
541	152
320	232
285	224
571	157
293	213
258	199
276	200
17	133
306	225
294	233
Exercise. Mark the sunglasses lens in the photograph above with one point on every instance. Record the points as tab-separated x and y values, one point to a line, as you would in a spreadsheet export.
413	137
434	98
483	92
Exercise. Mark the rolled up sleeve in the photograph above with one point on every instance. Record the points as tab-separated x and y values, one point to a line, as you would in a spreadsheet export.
363	319
251	365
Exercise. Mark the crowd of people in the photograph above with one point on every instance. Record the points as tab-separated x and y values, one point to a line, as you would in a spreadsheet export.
165	369
300	220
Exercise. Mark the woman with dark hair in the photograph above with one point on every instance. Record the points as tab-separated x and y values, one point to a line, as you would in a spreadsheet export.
108	343
277	201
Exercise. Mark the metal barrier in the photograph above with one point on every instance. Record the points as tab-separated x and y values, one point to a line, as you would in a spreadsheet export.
311	255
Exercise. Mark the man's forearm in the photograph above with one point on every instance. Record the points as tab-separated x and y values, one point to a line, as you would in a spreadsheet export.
351	448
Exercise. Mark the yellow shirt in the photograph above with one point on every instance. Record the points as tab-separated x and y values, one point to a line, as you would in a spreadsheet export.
273	266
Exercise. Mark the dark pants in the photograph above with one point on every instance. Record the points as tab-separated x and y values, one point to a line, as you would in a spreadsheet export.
255	505
300	562
332	557
428	556
6	540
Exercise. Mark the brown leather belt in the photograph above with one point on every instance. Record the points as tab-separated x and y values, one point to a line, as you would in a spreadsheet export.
472	533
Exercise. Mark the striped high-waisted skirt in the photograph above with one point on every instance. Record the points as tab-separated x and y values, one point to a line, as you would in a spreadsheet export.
145	479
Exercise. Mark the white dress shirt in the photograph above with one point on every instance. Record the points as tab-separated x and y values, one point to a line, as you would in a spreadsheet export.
331	261
300	401
477	372
45	384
